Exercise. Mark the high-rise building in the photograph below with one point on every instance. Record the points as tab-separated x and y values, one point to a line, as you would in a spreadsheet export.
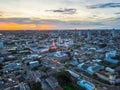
1	44
113	32
80	33
88	35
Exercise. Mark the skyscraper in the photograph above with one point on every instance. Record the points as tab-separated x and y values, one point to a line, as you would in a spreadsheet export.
113	32
88	35
1	45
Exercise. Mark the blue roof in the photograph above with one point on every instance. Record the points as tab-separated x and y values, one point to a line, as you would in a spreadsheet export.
51	54
74	63
86	84
97	68
114	61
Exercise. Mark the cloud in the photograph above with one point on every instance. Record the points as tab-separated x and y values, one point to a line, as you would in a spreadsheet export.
19	20
86	23
26	24
1	13
70	11
112	22
105	5
51	24
117	13
45	27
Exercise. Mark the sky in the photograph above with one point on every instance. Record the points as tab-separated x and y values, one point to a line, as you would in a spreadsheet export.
59	14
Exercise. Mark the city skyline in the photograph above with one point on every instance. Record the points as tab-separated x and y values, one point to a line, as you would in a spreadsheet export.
59	14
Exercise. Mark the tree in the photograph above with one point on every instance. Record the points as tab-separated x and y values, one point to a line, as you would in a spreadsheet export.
36	86
1	65
64	79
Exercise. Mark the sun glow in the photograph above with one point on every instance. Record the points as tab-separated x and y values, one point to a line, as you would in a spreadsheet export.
45	27
15	26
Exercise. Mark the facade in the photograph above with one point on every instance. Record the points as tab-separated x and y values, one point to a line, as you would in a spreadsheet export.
33	56
109	59
88	35
33	64
110	78
73	74
53	83
90	67
1	44
87	85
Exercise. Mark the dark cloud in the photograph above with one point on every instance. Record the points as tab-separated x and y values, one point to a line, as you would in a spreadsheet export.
49	21
109	22
118	13
20	20
112	22
64	10
86	23
106	5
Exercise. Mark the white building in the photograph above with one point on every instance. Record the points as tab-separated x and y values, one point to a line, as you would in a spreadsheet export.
86	84
88	35
73	74
33	64
60	54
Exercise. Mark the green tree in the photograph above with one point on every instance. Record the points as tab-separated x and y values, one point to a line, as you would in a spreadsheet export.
36	86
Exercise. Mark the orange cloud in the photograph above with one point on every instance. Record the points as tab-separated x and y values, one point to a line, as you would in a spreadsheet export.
45	27
16	26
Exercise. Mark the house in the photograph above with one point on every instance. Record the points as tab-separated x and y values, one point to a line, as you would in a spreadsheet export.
14	66
73	74
91	67
109	59
74	63
86	84
33	64
61	56
112	71
1	44
32	56
52	82
109	75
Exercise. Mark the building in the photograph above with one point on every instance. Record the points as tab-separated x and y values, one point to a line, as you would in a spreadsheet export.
88	35
52	82
109	75
113	33
90	68
73	74
14	66
61	56
32	56
33	64
23	86
1	44
109	59
64	42
80	33
74	63
93	69
86	84
53	47
1	59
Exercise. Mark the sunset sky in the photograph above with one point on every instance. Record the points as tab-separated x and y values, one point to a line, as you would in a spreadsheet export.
59	14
